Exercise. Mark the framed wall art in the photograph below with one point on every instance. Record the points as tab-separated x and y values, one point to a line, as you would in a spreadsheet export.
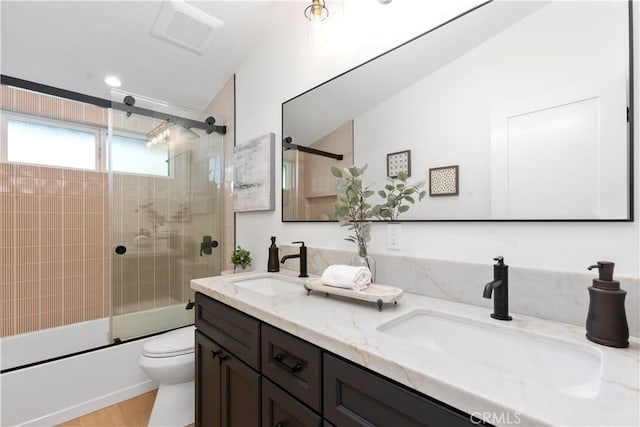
443	181
254	174
398	162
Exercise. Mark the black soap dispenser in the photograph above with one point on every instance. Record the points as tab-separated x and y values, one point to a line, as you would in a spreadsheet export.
607	320
274	259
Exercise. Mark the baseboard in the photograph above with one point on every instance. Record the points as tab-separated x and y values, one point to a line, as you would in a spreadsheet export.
65	389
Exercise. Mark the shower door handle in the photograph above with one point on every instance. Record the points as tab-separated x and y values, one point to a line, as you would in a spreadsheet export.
206	245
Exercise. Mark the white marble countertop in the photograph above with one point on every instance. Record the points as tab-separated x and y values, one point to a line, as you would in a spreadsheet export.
348	329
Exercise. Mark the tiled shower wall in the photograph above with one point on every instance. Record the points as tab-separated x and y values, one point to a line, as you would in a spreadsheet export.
155	274
54	263
55	228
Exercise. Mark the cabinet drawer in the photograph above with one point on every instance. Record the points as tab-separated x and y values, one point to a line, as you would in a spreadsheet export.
293	364
356	397
280	409
232	329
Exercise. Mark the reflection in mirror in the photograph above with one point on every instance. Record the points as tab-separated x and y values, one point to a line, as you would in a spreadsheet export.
308	188
528	99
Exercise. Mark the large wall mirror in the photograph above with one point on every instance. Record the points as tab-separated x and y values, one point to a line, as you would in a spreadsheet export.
514	110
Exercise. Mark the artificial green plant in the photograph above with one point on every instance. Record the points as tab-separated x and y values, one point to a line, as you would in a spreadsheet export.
351	207
241	257
396	195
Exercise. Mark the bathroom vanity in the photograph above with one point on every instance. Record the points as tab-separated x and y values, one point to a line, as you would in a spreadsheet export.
277	379
267	354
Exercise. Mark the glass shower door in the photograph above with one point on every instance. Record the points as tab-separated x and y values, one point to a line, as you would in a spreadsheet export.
166	215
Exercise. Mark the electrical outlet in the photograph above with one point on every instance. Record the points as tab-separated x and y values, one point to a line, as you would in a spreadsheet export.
394	233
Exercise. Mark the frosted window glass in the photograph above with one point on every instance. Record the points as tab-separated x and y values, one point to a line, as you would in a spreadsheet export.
132	155
42	144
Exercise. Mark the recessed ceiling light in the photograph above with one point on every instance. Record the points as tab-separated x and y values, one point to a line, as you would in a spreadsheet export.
113	81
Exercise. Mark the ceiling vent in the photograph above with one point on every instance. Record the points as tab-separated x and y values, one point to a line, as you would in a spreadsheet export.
185	26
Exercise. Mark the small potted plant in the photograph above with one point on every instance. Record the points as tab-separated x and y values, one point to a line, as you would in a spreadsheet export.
240	257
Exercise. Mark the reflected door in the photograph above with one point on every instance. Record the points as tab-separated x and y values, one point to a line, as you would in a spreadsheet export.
554	156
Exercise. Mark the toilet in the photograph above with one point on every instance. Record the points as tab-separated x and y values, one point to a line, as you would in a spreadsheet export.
169	360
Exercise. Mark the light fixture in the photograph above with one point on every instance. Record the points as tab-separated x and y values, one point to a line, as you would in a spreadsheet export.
159	135
113	81
317	11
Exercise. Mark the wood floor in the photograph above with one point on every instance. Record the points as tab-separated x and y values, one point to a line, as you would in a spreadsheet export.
130	413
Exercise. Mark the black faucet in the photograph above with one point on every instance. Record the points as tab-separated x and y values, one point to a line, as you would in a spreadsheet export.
303	259
500	284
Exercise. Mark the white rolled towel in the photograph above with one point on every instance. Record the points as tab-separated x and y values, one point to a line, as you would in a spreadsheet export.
346	276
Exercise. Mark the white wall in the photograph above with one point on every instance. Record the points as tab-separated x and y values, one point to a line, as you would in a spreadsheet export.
453	122
284	66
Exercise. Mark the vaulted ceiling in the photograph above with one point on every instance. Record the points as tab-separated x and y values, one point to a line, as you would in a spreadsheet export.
73	45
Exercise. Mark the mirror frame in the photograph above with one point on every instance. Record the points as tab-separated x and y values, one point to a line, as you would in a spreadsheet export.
630	132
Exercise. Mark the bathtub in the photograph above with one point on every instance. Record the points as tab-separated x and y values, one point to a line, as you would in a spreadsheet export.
23	349
68	387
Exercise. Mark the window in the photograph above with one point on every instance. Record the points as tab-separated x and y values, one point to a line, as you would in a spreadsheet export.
131	154
42	142
34	140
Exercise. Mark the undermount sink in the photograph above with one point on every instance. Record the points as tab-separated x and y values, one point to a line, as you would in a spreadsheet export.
569	367
267	284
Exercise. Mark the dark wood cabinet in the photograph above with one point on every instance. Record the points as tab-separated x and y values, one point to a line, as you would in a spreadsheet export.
232	329
249	373
208	380
293	364
280	409
355	397
227	390
239	393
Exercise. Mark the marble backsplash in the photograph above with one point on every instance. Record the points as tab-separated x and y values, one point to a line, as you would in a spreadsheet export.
554	295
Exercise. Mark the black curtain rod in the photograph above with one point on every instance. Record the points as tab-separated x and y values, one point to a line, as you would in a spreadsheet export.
288	145
208	125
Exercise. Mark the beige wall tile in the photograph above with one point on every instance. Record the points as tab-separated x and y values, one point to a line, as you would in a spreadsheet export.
51	173
6	184
54	225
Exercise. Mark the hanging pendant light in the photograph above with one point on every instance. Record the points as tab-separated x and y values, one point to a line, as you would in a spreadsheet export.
317	11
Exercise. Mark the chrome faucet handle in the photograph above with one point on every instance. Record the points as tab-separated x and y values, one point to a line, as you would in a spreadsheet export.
500	260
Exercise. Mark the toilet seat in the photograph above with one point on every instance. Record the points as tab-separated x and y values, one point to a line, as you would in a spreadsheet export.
170	344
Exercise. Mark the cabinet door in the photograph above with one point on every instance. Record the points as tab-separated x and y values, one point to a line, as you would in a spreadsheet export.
207	379
239	394
279	409
355	397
